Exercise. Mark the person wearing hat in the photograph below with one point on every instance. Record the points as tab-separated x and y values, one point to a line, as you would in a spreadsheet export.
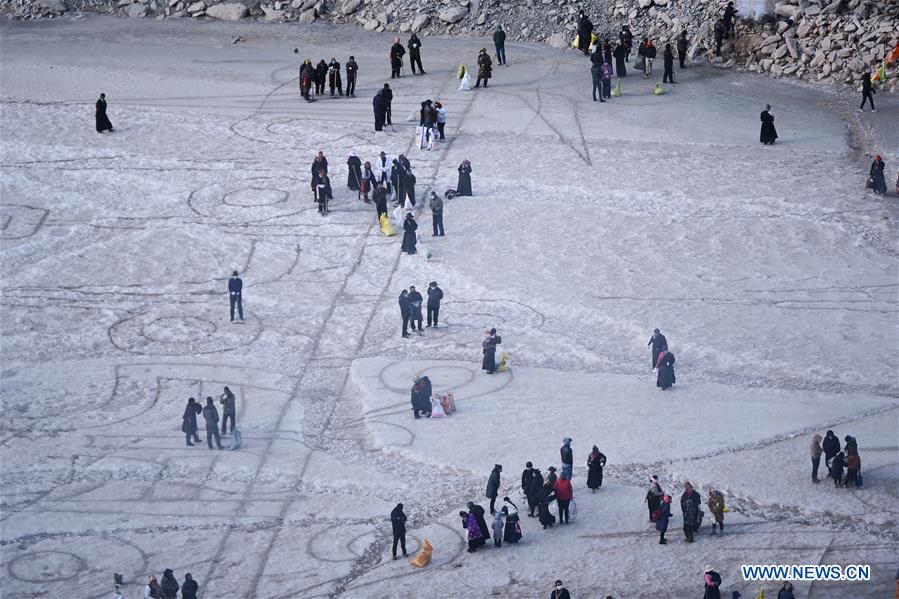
435	294
488	345
729	13
103	123
235	290
493	487
654	495
712	584
409	239
485	67
415	300
398	523
396	58
559	591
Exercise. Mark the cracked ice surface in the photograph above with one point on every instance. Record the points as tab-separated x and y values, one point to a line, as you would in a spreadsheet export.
770	272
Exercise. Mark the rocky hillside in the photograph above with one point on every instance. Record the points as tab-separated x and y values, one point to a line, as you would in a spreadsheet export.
820	40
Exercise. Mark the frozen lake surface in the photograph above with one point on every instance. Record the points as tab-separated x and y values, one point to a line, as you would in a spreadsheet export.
772	274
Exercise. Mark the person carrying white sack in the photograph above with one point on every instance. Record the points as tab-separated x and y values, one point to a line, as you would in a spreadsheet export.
465	85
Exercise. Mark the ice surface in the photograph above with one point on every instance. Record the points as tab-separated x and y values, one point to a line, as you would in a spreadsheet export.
771	272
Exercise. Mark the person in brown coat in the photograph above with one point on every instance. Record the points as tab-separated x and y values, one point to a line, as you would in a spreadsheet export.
853	466
485	67
716	506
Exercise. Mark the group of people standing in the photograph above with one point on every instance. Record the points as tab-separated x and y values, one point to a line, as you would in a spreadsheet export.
410	308
659	505
211	415
314	77
844	465
169	587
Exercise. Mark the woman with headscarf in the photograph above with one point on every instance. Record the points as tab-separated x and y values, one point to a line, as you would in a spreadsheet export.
354	171
463	186
485	67
596	461
409	237
877	182
769	133
653	495
620	53
662	521
189	426
488	345
665	366
470	523
512	529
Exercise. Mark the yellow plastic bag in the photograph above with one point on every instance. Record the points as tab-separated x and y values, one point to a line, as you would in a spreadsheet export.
617	90
460	72
503	363
424	555
386	227
577	38
761	594
659	90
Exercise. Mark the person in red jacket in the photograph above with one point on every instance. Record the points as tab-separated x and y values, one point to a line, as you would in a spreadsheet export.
564	495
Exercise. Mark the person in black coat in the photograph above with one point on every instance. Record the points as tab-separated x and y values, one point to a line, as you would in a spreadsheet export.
768	133
547	495
712	584
379	197
729	13
463	187
620	53
534	490
836	466
657	341
867	92
719	36
831	447
559	591
388	96
596	461
323	191
668	58
398	178
488	346
334	77
878	182
235	295
584	33
398	523
189	426
321	75
379	103
415	54
307	77
666	377
169	586
103	123
189	588
396	58
435	294
493	482
682	44
404	307
421	397
352	69
354	171
409	238
415	301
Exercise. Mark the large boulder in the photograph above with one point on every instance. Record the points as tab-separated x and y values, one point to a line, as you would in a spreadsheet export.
307	16
453	14
351	6
559	40
420	21
52	6
227	11
137	10
749	43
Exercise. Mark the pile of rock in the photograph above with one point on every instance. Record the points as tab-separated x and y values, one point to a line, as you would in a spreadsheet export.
829	40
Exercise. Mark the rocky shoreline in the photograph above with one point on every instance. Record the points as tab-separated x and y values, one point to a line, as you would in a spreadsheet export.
814	40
